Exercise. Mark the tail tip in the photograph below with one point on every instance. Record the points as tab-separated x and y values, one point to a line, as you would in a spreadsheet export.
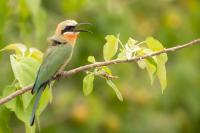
32	92
32	121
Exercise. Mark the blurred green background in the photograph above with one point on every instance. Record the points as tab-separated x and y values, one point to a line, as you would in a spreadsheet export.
144	108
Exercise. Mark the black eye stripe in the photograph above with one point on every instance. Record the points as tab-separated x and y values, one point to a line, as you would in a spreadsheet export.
67	28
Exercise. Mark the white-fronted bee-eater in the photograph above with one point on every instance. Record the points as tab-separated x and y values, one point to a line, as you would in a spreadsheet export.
56	57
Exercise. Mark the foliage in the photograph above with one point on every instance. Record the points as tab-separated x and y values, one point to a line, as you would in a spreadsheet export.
111	47
155	65
144	108
25	64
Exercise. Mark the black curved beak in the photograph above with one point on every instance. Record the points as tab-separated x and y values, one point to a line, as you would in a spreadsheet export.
79	24
82	30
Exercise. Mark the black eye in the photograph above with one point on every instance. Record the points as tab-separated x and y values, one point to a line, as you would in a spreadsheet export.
67	28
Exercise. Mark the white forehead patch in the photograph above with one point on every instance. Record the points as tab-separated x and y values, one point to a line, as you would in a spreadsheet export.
69	22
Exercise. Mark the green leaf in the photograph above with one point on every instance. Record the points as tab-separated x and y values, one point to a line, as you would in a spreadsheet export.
91	59
36	54
19	111
149	63
25	66
19	48
88	84
141	64
25	70
111	47
114	87
12	103
155	45
161	71
151	69
4	119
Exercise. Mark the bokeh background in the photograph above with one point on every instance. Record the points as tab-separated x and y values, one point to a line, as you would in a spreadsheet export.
144	108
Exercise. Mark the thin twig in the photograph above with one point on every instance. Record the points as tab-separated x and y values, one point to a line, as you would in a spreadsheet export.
65	74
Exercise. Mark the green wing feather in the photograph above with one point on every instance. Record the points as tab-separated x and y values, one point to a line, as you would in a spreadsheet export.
53	60
55	57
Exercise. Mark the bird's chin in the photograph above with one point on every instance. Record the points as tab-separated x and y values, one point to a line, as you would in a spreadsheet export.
71	33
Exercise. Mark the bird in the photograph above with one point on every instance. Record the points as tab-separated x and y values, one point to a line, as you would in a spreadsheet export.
56	57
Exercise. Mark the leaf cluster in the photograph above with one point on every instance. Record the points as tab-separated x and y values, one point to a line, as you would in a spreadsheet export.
114	48
25	64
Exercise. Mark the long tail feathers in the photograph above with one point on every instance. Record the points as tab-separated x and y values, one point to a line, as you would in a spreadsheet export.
38	95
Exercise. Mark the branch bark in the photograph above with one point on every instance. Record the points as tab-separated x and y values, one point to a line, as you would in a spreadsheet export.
66	74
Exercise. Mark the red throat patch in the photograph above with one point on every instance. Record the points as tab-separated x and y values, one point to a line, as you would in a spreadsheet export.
70	37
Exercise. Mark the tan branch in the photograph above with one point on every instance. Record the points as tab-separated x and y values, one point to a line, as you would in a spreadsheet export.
65	74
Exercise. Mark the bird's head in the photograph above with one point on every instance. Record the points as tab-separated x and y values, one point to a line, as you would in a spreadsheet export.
67	32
